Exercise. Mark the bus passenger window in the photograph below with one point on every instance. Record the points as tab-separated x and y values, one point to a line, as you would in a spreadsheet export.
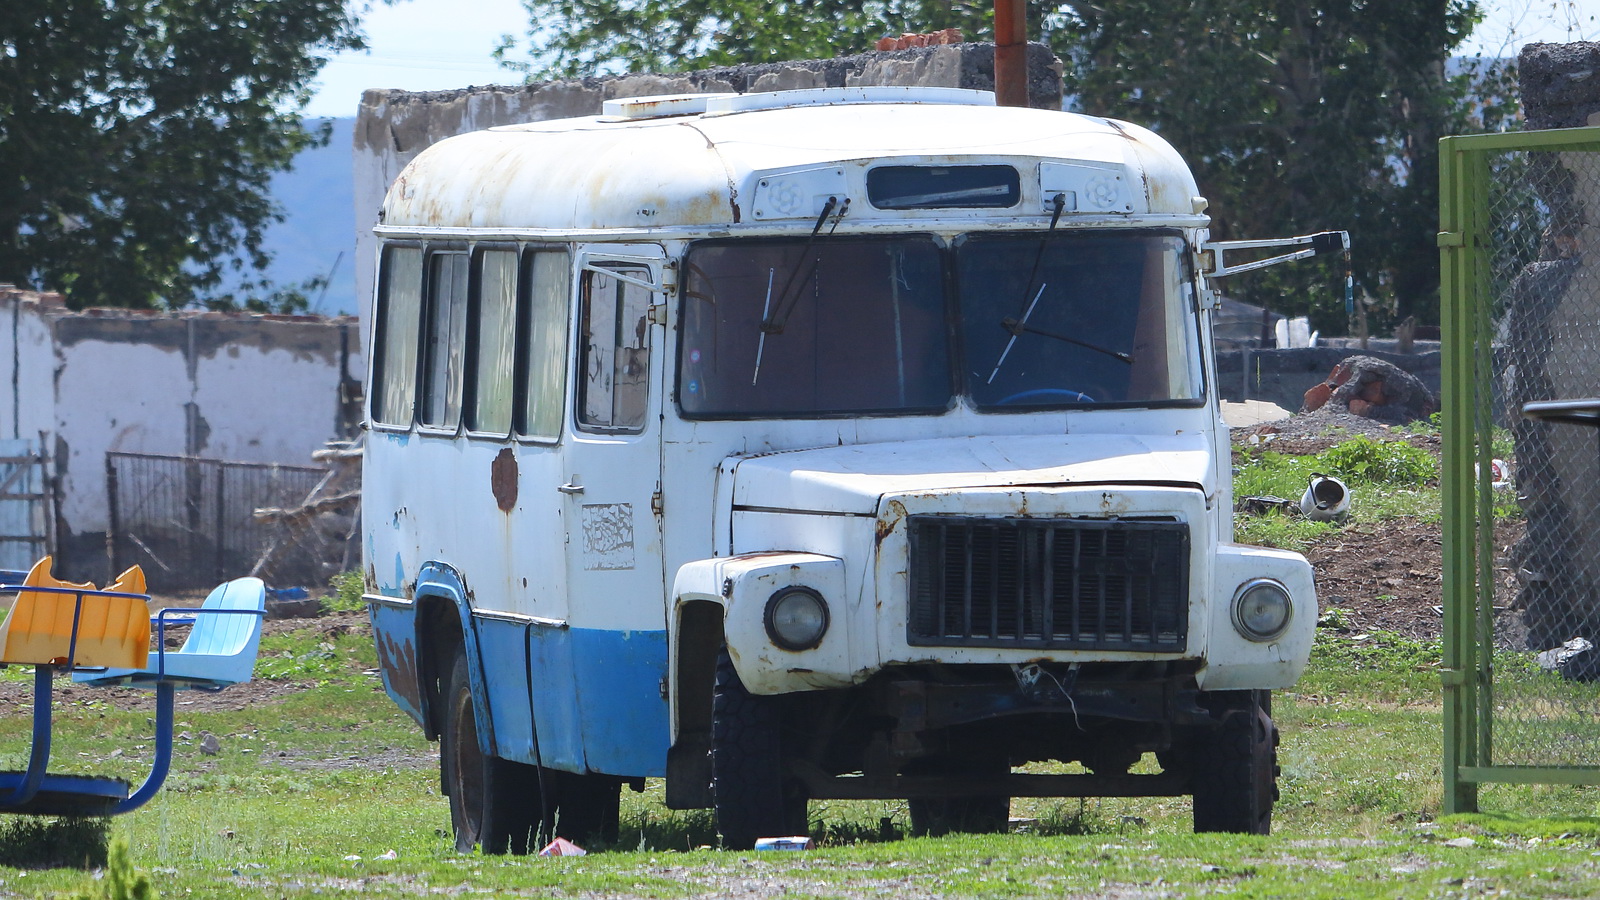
546	279
394	368
615	388
493	323
444	342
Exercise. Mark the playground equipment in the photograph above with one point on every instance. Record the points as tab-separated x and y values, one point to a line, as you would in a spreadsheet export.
102	638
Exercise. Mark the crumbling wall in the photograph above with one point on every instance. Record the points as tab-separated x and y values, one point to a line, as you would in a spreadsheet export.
392	126
1551	332
247	388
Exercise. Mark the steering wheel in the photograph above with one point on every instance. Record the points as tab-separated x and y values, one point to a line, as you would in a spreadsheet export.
1046	394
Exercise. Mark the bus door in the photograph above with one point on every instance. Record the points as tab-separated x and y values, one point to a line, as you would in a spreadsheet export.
612	507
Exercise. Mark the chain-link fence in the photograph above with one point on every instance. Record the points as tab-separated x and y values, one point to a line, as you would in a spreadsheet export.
1520	229
192	523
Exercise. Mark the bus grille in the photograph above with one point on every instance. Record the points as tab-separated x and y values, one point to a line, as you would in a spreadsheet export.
1058	584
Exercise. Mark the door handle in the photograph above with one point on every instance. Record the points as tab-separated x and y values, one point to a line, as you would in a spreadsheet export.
570	488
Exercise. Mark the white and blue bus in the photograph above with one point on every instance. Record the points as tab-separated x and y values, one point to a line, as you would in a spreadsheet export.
836	443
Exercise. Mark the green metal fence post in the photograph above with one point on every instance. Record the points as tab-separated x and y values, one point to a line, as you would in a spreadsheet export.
1460	702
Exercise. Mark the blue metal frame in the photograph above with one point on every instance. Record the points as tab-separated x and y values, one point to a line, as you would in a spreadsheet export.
36	792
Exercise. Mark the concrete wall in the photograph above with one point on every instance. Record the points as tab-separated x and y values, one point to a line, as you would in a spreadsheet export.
226	386
392	127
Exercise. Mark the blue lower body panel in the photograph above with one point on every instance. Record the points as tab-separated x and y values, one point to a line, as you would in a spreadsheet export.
592	698
394	630
595	696
619	690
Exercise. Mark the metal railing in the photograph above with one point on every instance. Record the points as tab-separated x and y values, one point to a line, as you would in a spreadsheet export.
190	522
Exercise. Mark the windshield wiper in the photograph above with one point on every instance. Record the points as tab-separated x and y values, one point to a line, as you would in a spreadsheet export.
1057	204
773	322
1018	327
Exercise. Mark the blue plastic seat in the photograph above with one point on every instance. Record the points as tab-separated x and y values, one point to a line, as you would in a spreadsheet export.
220	650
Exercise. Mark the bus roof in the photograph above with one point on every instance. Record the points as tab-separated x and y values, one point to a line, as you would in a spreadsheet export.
770	161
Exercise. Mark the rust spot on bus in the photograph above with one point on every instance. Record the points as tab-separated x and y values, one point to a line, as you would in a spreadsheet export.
397	659
503	479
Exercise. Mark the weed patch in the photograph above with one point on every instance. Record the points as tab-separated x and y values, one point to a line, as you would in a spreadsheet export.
1387	479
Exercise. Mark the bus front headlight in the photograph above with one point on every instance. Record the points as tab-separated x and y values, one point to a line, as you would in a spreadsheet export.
1261	610
796	618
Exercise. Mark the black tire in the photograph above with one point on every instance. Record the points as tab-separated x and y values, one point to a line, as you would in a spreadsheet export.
494	803
588	806
751	799
972	815
1236	765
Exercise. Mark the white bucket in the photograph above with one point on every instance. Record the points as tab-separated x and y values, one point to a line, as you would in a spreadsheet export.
1326	498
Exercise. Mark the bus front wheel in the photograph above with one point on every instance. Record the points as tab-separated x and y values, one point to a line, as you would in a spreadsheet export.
1236	771
494	803
750	796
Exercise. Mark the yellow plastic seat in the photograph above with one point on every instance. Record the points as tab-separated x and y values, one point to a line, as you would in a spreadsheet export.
112	631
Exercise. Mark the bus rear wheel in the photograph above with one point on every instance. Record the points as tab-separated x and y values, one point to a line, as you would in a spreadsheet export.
494	803
588	804
750	796
934	816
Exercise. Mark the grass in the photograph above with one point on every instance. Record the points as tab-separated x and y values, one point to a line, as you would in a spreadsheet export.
333	791
1387	479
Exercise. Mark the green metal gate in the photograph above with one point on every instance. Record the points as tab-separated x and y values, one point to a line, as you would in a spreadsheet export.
1520	251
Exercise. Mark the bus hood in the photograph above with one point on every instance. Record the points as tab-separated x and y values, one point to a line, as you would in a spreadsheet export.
851	479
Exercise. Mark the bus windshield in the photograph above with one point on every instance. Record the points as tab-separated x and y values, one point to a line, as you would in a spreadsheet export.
820	326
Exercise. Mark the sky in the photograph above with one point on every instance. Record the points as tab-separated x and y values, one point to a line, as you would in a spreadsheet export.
429	45
421	45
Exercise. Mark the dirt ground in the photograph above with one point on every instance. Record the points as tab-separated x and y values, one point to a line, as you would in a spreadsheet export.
16	698
1387	576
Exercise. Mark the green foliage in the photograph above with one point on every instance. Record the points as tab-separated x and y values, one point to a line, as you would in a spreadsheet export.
1386	479
137	140
347	589
572	38
122	881
1359	462
1364	460
315	655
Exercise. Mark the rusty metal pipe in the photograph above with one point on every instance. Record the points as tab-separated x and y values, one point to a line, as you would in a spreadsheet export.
1011	52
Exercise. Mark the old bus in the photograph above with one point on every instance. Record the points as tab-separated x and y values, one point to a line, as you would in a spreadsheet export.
834	443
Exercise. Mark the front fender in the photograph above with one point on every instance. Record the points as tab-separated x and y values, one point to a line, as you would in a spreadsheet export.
440	582
741	585
1232	662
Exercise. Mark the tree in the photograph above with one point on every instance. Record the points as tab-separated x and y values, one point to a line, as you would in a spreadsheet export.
1296	115
571	38
137	138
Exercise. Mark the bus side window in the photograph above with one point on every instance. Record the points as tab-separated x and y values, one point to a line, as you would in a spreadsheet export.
444	342
546	280
614	391
493	328
399	317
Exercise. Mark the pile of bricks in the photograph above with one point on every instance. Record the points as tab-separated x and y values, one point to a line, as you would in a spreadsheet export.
908	41
1373	389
